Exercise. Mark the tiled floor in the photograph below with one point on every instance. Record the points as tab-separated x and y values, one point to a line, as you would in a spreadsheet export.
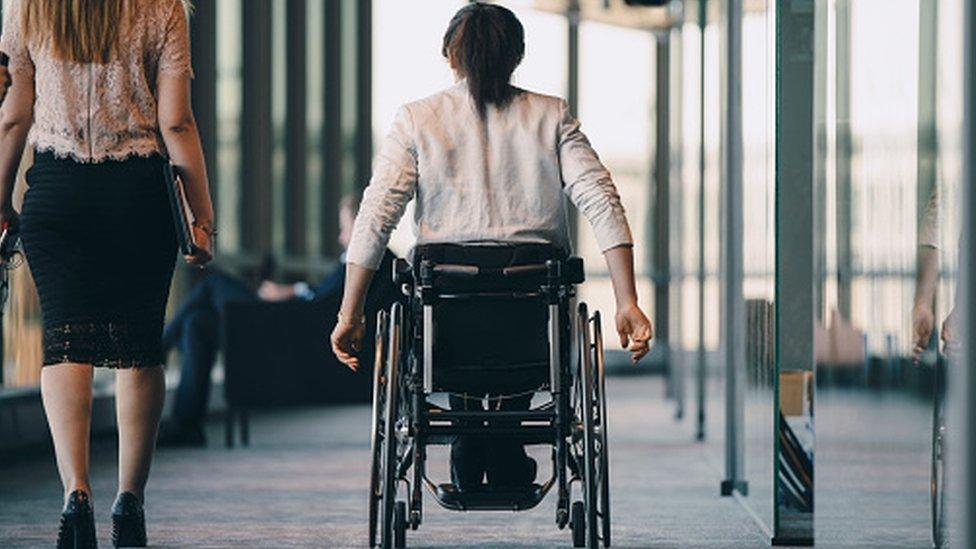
301	484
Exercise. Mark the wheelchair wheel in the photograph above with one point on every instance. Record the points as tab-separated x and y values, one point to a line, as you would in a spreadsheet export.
400	525
585	417
602	421
377	433
391	446
577	523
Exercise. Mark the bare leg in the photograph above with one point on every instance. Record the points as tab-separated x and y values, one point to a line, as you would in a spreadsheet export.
66	390
139	396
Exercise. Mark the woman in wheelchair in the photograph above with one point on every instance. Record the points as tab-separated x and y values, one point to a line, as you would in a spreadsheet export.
490	166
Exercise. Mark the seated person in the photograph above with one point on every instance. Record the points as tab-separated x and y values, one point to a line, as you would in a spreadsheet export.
195	328
488	163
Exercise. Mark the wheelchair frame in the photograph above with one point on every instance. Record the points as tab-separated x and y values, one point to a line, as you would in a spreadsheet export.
573	421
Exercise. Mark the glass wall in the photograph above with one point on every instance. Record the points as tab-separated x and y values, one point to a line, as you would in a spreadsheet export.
758	249
890	161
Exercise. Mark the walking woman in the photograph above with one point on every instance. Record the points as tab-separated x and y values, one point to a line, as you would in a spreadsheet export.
100	90
489	164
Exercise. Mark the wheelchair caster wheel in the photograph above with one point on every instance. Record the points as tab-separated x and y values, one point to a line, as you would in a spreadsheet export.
578	524
414	519
400	525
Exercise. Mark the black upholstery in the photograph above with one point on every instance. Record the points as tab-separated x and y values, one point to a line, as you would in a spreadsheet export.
278	354
496	344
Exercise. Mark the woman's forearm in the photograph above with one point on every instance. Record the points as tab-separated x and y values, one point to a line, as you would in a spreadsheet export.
358	279
16	117
186	152
620	263
13	137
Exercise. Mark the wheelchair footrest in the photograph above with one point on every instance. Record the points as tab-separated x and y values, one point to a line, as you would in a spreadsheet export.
487	498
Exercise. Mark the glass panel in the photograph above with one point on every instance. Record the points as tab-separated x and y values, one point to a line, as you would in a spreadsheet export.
875	403
229	104
758	193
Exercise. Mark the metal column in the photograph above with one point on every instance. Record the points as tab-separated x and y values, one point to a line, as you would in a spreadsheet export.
733	306
256	124
795	282
332	182
661	206
572	95
845	148
701	373
296	135
675	222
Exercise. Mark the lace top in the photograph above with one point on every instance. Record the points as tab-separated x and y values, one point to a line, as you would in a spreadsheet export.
95	112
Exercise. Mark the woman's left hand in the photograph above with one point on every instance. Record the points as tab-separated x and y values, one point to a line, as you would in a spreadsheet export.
347	341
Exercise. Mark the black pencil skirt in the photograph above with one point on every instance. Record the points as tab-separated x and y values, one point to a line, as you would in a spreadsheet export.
101	247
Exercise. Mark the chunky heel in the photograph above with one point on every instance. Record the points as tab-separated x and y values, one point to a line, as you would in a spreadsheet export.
128	521
77	529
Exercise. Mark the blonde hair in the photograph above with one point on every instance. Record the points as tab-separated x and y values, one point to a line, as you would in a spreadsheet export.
82	31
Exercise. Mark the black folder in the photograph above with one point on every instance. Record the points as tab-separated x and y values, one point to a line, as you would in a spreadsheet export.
182	215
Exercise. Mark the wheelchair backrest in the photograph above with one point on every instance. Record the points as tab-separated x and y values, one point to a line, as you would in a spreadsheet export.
489	313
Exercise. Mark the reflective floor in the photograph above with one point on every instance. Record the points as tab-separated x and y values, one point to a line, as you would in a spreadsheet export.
301	484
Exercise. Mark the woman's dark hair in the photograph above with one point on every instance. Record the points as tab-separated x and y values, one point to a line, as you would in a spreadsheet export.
486	43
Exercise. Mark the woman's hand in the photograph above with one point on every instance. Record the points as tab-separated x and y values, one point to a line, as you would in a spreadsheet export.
203	240
635	331
923	322
347	341
9	218
272	291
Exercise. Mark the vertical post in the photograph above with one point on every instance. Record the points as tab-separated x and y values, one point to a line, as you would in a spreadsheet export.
845	148
203	32
357	97
364	91
967	282
733	308
332	183
572	92
928	59
295	131
661	204
256	123
675	223
702	365
795	282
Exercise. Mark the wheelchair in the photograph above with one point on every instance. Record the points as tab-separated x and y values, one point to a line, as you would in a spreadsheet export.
500	321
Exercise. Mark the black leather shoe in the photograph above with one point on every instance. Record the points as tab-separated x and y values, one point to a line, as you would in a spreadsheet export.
128	521
77	530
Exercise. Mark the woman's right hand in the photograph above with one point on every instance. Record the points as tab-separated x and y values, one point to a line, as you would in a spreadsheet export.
203	240
635	331
9	218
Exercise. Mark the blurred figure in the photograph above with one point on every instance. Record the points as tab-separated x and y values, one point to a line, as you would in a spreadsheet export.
195	328
106	101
